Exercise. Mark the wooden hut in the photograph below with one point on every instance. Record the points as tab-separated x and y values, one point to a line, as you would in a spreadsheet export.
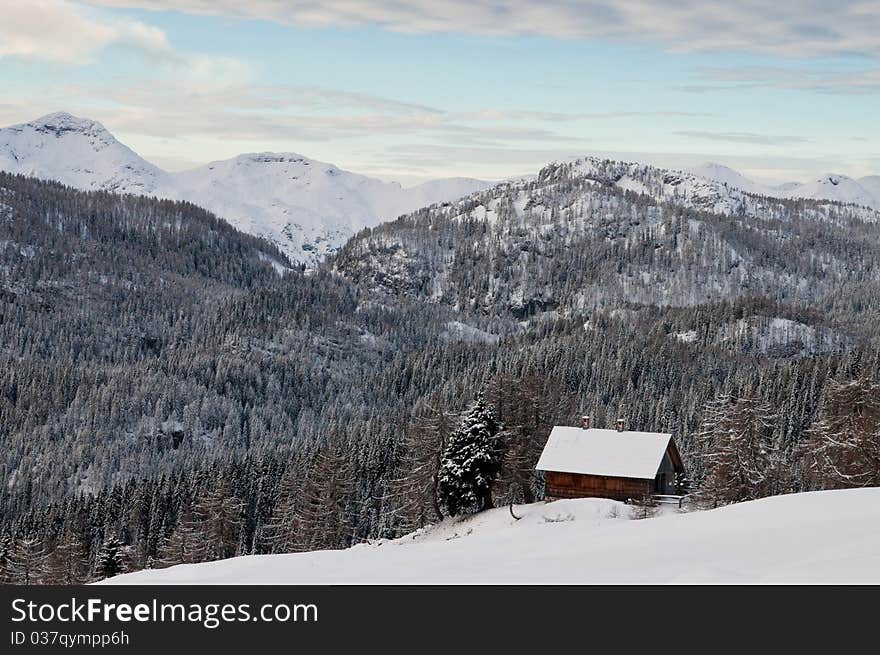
618	464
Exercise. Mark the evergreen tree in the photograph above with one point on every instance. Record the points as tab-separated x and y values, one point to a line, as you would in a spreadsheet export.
112	558
470	461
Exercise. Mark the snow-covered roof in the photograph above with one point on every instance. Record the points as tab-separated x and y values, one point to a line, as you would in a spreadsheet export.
624	454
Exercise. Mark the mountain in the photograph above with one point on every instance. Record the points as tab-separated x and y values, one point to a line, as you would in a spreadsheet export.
728	176
77	152
594	234
871	184
158	345
839	188
306	207
819	537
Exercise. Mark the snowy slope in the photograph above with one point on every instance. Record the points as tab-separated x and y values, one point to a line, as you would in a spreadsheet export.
864	191
836	187
728	176
819	537
308	208
871	184
78	152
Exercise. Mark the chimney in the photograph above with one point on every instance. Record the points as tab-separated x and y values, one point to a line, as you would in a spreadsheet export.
620	423
585	422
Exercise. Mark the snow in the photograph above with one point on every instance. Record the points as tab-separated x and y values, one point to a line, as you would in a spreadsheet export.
725	175
77	152
690	336
306	207
864	191
830	537
624	454
840	188
310	208
458	331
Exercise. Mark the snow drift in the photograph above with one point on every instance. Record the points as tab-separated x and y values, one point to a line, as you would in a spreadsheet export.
817	537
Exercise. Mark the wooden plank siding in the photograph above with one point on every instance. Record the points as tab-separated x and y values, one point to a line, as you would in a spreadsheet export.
578	485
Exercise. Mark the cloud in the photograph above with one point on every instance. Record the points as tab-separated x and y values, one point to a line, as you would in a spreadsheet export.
567	117
61	31
744	137
813	28
855	82
226	109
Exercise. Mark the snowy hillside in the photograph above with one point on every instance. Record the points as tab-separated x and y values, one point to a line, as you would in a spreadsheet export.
306	207
77	152
715	187
864	191
818	537
310	208
837	187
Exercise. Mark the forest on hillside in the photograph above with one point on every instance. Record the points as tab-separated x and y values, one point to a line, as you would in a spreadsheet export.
168	396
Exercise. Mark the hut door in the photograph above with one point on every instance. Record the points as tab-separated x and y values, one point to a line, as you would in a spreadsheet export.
660	483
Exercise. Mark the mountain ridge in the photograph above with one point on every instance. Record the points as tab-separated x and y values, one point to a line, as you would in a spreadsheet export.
306	207
309	208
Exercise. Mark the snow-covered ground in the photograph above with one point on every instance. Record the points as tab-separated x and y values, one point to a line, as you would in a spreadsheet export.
818	537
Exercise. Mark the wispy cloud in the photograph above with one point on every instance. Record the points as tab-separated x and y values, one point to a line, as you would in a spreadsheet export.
744	137
685	26
865	81
176	108
61	31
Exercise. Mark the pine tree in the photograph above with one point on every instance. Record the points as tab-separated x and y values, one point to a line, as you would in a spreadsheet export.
69	562
184	545
112	558
414	492
6	545
842	448
320	520
28	561
471	461
739	455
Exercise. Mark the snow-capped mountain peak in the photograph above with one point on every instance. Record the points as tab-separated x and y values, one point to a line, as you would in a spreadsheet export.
833	186
307	207
310	208
61	122
78	152
725	175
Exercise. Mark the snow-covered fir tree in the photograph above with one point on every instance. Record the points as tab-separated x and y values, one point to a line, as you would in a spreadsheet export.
471	460
112	558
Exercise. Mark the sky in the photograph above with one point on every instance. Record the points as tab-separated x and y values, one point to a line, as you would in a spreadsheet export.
410	90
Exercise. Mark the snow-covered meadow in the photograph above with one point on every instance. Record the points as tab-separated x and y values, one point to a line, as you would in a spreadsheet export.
817	537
